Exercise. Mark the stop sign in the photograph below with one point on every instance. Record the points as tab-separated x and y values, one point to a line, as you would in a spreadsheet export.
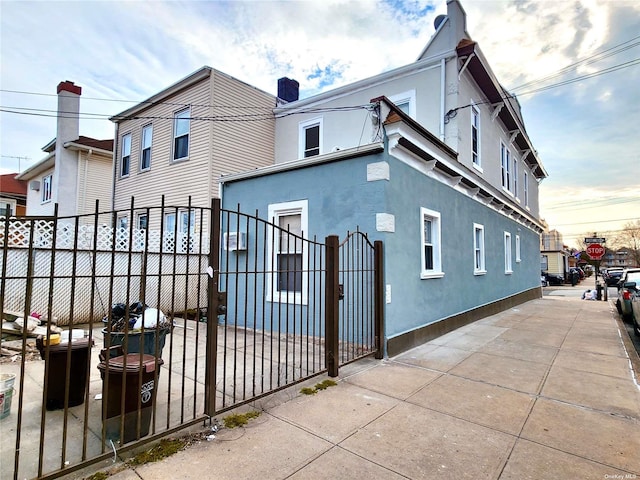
595	251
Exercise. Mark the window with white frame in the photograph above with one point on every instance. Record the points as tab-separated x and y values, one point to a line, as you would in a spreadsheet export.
508	268
515	177
122	223
478	249
310	138
145	147
405	101
7	207
505	164
181	129
526	189
518	259
142	221
475	136
431	245
287	261
47	188
125	155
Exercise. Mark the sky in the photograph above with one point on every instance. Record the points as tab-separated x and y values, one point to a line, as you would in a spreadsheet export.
574	66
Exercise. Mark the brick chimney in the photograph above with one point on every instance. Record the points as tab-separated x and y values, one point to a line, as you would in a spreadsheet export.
66	166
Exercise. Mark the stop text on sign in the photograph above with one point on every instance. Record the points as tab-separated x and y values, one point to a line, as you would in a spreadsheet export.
595	251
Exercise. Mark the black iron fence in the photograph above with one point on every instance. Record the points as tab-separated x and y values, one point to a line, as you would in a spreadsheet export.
168	316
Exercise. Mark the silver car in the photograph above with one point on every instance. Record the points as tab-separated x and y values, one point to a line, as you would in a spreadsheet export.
635	306
625	292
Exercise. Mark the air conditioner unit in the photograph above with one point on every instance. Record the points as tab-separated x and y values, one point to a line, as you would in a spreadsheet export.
34	185
235	241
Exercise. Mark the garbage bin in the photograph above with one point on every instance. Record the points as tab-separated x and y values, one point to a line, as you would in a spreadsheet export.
59	357
136	341
138	387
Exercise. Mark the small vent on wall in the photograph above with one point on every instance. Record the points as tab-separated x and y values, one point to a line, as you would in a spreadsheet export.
34	185
234	241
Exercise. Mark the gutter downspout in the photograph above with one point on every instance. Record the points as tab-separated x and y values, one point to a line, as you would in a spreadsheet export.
115	167
443	79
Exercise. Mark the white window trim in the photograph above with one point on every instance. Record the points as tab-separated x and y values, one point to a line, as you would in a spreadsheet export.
302	127
526	189
47	180
479	270
406	97
514	179
475	113
506	168
122	155
276	210
142	147
436	272
173	137
518	259
508	265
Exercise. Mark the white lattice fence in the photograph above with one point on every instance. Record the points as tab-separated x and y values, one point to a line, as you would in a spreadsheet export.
40	233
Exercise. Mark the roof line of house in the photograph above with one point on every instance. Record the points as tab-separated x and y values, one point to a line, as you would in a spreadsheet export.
352	152
38	167
78	146
175	88
416	67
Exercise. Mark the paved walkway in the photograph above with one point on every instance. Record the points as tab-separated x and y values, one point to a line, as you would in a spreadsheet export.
541	391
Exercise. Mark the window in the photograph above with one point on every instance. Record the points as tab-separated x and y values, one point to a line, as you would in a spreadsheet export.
125	157
515	177
170	222
478	249
145	146
7	208
142	221
287	281
47	188
544	263
526	189
123	223
507	253
505	162
187	221
406	101
518	259
475	136
310	139
430	236
181	126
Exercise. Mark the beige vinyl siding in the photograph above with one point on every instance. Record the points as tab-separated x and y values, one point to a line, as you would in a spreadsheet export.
247	143
93	173
175	180
556	265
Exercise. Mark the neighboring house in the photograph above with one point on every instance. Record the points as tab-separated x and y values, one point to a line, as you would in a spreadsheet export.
554	256
73	173
618	258
178	142
457	209
13	196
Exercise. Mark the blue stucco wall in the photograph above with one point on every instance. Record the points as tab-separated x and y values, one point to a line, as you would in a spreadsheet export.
340	198
416	302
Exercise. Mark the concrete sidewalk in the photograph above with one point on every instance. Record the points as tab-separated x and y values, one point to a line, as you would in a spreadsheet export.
544	390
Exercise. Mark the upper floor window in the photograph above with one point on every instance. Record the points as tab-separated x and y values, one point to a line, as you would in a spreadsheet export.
507	253
145	146
478	249
475	136
125	157
181	127
431	245
526	189
505	166
310	138
405	101
47	188
288	281
515	177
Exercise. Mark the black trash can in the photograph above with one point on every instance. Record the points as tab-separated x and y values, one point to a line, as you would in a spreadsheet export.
59	358
139	394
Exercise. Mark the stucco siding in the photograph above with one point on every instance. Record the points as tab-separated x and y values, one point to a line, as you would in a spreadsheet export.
35	207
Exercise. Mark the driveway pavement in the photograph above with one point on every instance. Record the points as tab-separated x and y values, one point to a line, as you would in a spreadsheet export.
546	390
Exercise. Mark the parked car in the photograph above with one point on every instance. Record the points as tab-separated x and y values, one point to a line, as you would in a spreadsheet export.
553	278
612	276
543	280
623	304
634	288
